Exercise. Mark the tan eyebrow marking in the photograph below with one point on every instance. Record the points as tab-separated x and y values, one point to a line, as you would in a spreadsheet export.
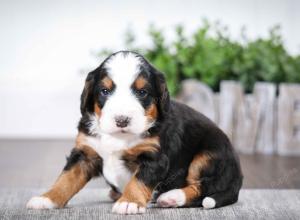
140	82
107	82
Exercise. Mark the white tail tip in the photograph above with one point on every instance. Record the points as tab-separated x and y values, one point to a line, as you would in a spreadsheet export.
208	203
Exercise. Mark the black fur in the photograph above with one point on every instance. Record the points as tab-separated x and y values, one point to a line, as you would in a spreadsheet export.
84	124
153	168
183	133
87	95
92	166
75	157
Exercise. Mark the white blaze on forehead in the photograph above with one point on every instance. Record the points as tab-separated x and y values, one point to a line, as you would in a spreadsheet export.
123	68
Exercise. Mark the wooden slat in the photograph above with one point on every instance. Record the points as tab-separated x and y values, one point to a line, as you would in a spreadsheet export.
200	97
265	101
288	119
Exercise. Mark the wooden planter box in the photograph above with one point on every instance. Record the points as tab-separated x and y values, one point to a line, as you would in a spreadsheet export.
262	122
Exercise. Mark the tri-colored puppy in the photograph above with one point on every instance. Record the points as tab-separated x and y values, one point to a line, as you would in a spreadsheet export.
140	141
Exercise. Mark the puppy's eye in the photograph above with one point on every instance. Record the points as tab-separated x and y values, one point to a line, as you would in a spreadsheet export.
141	93
105	92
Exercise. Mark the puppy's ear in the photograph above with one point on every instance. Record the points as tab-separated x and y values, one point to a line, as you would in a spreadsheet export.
163	93
87	95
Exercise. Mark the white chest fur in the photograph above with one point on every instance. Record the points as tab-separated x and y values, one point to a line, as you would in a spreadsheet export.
115	171
110	149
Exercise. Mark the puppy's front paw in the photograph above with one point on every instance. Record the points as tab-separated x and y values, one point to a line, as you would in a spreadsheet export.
128	208
172	198
40	202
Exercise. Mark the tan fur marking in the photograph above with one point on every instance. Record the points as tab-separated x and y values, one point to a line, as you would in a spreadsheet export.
191	192
193	189
67	185
130	155
199	162
89	152
140	82
152	140
151	112
107	82
141	148
150	144
80	139
137	192
72	180
82	144
97	110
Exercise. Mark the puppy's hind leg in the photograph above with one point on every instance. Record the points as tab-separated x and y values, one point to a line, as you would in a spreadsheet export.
192	191
223	198
83	164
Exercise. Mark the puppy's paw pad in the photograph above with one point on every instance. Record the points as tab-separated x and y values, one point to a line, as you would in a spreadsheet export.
208	203
128	208
40	202
172	198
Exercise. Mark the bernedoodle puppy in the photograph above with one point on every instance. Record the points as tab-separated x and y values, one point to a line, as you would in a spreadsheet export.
142	142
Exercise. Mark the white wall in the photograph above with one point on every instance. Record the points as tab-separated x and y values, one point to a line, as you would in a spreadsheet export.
44	45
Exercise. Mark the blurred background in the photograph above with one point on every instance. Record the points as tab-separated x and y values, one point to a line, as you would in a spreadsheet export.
48	47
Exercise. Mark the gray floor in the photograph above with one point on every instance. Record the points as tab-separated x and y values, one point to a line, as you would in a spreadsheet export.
91	204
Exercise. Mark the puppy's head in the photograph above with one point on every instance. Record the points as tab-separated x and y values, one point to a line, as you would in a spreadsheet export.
125	94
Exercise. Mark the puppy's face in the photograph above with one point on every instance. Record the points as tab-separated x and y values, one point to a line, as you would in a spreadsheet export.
125	94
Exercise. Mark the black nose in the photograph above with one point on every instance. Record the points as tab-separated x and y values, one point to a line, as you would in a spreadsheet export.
122	121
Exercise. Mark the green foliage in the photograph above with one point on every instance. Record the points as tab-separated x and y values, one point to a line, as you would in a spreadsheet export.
210	55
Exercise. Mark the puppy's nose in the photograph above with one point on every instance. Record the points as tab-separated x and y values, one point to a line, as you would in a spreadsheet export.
122	121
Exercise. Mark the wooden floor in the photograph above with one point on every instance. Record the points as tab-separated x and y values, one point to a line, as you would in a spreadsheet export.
37	163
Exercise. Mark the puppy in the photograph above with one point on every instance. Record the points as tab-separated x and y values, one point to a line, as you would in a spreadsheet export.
142	142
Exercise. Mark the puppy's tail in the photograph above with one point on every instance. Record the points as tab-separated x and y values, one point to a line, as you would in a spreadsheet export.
220	199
